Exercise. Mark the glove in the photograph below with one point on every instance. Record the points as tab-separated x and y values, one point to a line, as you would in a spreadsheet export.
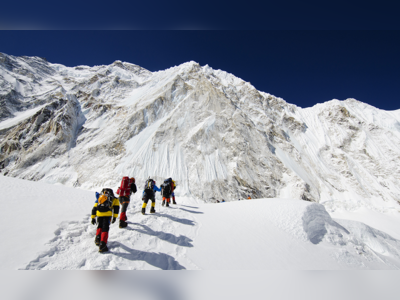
94	221
113	220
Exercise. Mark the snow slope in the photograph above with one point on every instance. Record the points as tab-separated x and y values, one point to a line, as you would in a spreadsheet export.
32	214
49	228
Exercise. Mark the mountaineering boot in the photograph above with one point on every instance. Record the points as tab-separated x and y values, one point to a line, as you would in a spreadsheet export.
152	210
123	217
163	203
144	207
98	236
174	202
122	224
103	247
167	205
97	240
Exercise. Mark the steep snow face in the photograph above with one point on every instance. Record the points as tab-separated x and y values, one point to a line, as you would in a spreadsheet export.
21	80
354	148
214	133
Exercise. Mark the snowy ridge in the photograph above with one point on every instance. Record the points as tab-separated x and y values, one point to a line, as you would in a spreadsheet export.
213	132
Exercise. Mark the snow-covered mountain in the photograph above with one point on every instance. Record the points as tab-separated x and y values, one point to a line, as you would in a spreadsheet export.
218	137
214	133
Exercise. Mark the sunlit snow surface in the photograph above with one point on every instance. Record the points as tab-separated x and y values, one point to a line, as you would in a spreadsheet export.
218	137
49	228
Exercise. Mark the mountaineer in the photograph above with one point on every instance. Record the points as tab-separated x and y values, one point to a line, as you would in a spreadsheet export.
106	209
167	189
149	191
126	189
173	192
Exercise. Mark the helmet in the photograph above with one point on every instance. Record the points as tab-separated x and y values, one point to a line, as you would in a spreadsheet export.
132	179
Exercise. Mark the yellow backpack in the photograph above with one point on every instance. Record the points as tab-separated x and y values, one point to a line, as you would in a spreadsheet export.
104	203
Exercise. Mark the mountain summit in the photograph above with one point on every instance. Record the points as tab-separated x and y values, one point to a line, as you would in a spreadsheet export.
215	134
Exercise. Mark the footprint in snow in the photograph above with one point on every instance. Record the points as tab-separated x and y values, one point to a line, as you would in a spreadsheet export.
73	248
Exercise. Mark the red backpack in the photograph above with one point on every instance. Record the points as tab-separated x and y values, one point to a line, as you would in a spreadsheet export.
125	189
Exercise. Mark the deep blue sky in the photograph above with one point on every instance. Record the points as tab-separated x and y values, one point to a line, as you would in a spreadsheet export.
302	67
204	14
306	51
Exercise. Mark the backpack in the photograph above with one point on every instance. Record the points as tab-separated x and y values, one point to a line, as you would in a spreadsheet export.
109	191
125	189
104	203
149	185
166	188
171	184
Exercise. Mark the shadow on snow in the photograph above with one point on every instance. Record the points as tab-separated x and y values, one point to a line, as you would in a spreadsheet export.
175	219
180	241
158	260
189	206
191	211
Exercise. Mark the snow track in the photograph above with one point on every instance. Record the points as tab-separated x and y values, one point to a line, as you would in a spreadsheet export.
149	242
50	229
256	234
